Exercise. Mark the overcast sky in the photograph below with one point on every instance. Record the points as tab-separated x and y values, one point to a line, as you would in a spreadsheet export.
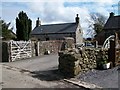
57	11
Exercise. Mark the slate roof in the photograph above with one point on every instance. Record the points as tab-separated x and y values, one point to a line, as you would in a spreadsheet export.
112	23
55	28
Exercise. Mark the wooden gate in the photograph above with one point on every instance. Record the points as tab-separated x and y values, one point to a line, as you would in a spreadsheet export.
20	50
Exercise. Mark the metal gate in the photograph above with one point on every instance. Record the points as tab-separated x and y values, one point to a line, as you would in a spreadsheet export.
20	50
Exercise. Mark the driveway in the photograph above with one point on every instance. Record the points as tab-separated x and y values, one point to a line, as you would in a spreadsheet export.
42	72
36	72
40	63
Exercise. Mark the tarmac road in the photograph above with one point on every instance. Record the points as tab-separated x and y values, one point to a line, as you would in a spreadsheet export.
36	72
40	63
41	72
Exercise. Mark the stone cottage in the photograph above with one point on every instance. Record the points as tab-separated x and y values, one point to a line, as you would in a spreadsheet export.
112	25
58	31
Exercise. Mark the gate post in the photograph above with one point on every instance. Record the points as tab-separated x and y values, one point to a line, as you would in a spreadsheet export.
117	49
36	48
111	53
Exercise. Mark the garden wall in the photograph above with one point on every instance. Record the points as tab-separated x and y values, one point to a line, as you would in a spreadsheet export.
72	62
54	46
40	47
117	54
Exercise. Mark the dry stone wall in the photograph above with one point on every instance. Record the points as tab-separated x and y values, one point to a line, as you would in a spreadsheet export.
72	62
54	46
117	51
40	47
5	51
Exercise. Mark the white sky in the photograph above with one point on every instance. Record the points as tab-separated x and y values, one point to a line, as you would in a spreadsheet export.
57	11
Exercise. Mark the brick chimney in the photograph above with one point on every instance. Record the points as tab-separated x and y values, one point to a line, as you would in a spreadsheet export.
111	14
77	19
38	22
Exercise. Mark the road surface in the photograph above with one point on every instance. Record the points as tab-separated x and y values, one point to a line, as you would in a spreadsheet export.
42	72
36	72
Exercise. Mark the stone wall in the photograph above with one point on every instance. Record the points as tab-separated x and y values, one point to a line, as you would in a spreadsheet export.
72	62
37	48
54	36
40	47
5	51
117	49
54	46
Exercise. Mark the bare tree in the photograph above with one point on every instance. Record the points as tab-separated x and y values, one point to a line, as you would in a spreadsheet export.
96	22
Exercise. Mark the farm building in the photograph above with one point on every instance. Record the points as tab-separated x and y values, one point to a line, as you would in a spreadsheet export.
58	31
112	25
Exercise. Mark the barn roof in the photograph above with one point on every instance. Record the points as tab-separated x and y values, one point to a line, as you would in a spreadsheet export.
112	23
55	28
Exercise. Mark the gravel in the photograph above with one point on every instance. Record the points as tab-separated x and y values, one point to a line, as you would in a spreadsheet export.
103	78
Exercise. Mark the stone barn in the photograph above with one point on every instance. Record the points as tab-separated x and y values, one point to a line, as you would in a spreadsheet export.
111	26
58	31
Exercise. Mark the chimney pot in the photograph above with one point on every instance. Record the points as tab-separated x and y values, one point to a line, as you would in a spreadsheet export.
111	14
38	22
77	19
